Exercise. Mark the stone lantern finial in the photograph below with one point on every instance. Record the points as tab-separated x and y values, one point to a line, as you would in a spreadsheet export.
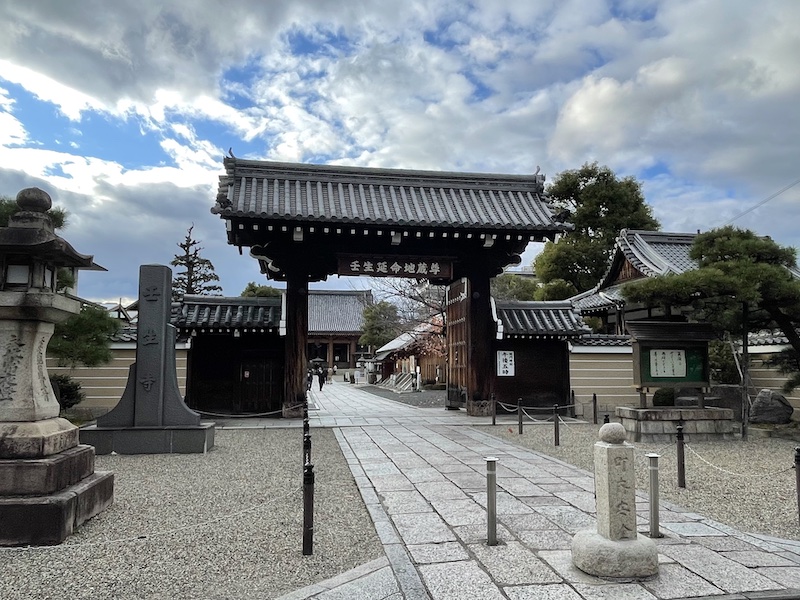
34	199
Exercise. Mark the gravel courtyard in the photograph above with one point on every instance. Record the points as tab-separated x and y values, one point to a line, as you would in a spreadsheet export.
227	524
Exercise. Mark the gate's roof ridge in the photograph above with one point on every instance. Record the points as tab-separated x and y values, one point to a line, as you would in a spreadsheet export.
254	168
306	193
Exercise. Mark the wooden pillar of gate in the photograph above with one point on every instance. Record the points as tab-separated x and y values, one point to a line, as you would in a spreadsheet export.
481	336
296	342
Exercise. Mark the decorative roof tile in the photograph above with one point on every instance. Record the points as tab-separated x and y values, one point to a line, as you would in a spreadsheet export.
602	340
368	196
541	319
657	252
226	312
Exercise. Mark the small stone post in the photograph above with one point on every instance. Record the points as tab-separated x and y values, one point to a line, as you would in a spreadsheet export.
616	549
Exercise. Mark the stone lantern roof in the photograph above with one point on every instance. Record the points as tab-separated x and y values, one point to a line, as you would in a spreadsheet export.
30	232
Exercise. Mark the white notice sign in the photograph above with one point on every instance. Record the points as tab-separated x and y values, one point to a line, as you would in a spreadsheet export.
505	363
667	363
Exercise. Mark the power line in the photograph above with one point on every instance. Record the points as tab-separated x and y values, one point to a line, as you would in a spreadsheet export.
763	202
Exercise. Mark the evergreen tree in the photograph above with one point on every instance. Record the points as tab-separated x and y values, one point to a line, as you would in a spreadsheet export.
84	339
736	269
196	274
253	290
508	286
599	205
381	324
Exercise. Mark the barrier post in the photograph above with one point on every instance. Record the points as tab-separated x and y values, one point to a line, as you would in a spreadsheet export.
594	408
655	529
556	433
797	476
494	410
606	419
519	415
308	509
491	501
681	463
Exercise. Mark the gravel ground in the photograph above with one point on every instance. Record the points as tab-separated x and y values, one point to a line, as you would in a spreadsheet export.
751	486
227	524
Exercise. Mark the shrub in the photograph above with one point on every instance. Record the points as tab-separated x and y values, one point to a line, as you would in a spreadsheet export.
664	397
67	390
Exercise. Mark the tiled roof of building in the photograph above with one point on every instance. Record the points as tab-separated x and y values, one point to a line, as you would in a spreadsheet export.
602	340
368	196
337	311
541	319
657	252
652	253
226	312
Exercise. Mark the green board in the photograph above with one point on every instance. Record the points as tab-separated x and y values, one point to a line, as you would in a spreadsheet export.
676	365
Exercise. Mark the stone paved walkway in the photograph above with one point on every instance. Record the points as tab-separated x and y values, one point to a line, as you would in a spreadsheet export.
421	473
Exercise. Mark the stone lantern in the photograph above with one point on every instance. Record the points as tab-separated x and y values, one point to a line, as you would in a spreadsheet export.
48	486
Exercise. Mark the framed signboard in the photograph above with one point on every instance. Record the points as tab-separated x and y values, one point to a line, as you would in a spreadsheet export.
505	363
667	366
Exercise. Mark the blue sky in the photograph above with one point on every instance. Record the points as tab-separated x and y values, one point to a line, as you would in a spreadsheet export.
123	111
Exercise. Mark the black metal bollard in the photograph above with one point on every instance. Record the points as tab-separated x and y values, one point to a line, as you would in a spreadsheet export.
308	509
606	419
594	408
494	410
519	415
306	448
797	476
681	463
556	433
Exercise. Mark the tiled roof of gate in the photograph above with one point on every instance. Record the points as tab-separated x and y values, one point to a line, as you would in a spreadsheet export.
364	196
337	311
226	312
551	319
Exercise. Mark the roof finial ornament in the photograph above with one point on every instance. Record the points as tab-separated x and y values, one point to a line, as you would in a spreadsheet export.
538	168
230	152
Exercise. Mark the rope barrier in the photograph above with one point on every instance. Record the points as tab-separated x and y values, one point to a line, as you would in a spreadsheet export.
692	450
248	415
137	538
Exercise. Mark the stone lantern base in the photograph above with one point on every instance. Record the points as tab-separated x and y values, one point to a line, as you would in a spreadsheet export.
48	485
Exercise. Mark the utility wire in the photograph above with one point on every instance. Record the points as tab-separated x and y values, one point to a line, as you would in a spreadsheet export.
763	202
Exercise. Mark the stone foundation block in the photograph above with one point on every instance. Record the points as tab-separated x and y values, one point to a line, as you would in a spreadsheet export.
36	439
41	476
150	440
623	559
48	520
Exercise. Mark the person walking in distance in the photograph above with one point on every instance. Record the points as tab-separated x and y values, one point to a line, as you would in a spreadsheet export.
321	377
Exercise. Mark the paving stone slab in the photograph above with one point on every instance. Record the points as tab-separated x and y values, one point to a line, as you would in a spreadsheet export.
390	483
786	576
422	528
476	534
584	501
527	522
546	539
561	562
542	592
376	585
614	591
726	574
407	576
569	518
422	474
675	581
691	529
380	468
448	581
513	564
440	490
404	502
758	558
519	486
460	512
436	553
506	503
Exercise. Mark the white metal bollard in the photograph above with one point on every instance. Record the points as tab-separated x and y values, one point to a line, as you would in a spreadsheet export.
491	501
655	530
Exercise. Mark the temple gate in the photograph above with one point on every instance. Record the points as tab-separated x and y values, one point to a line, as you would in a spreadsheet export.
304	222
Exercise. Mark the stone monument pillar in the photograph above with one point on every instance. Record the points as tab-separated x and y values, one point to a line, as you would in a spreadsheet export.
151	417
616	549
48	486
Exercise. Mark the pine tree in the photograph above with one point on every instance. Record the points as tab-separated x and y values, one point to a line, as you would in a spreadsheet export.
196	274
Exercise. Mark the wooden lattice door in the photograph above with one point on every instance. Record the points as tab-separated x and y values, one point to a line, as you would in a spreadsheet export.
458	342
